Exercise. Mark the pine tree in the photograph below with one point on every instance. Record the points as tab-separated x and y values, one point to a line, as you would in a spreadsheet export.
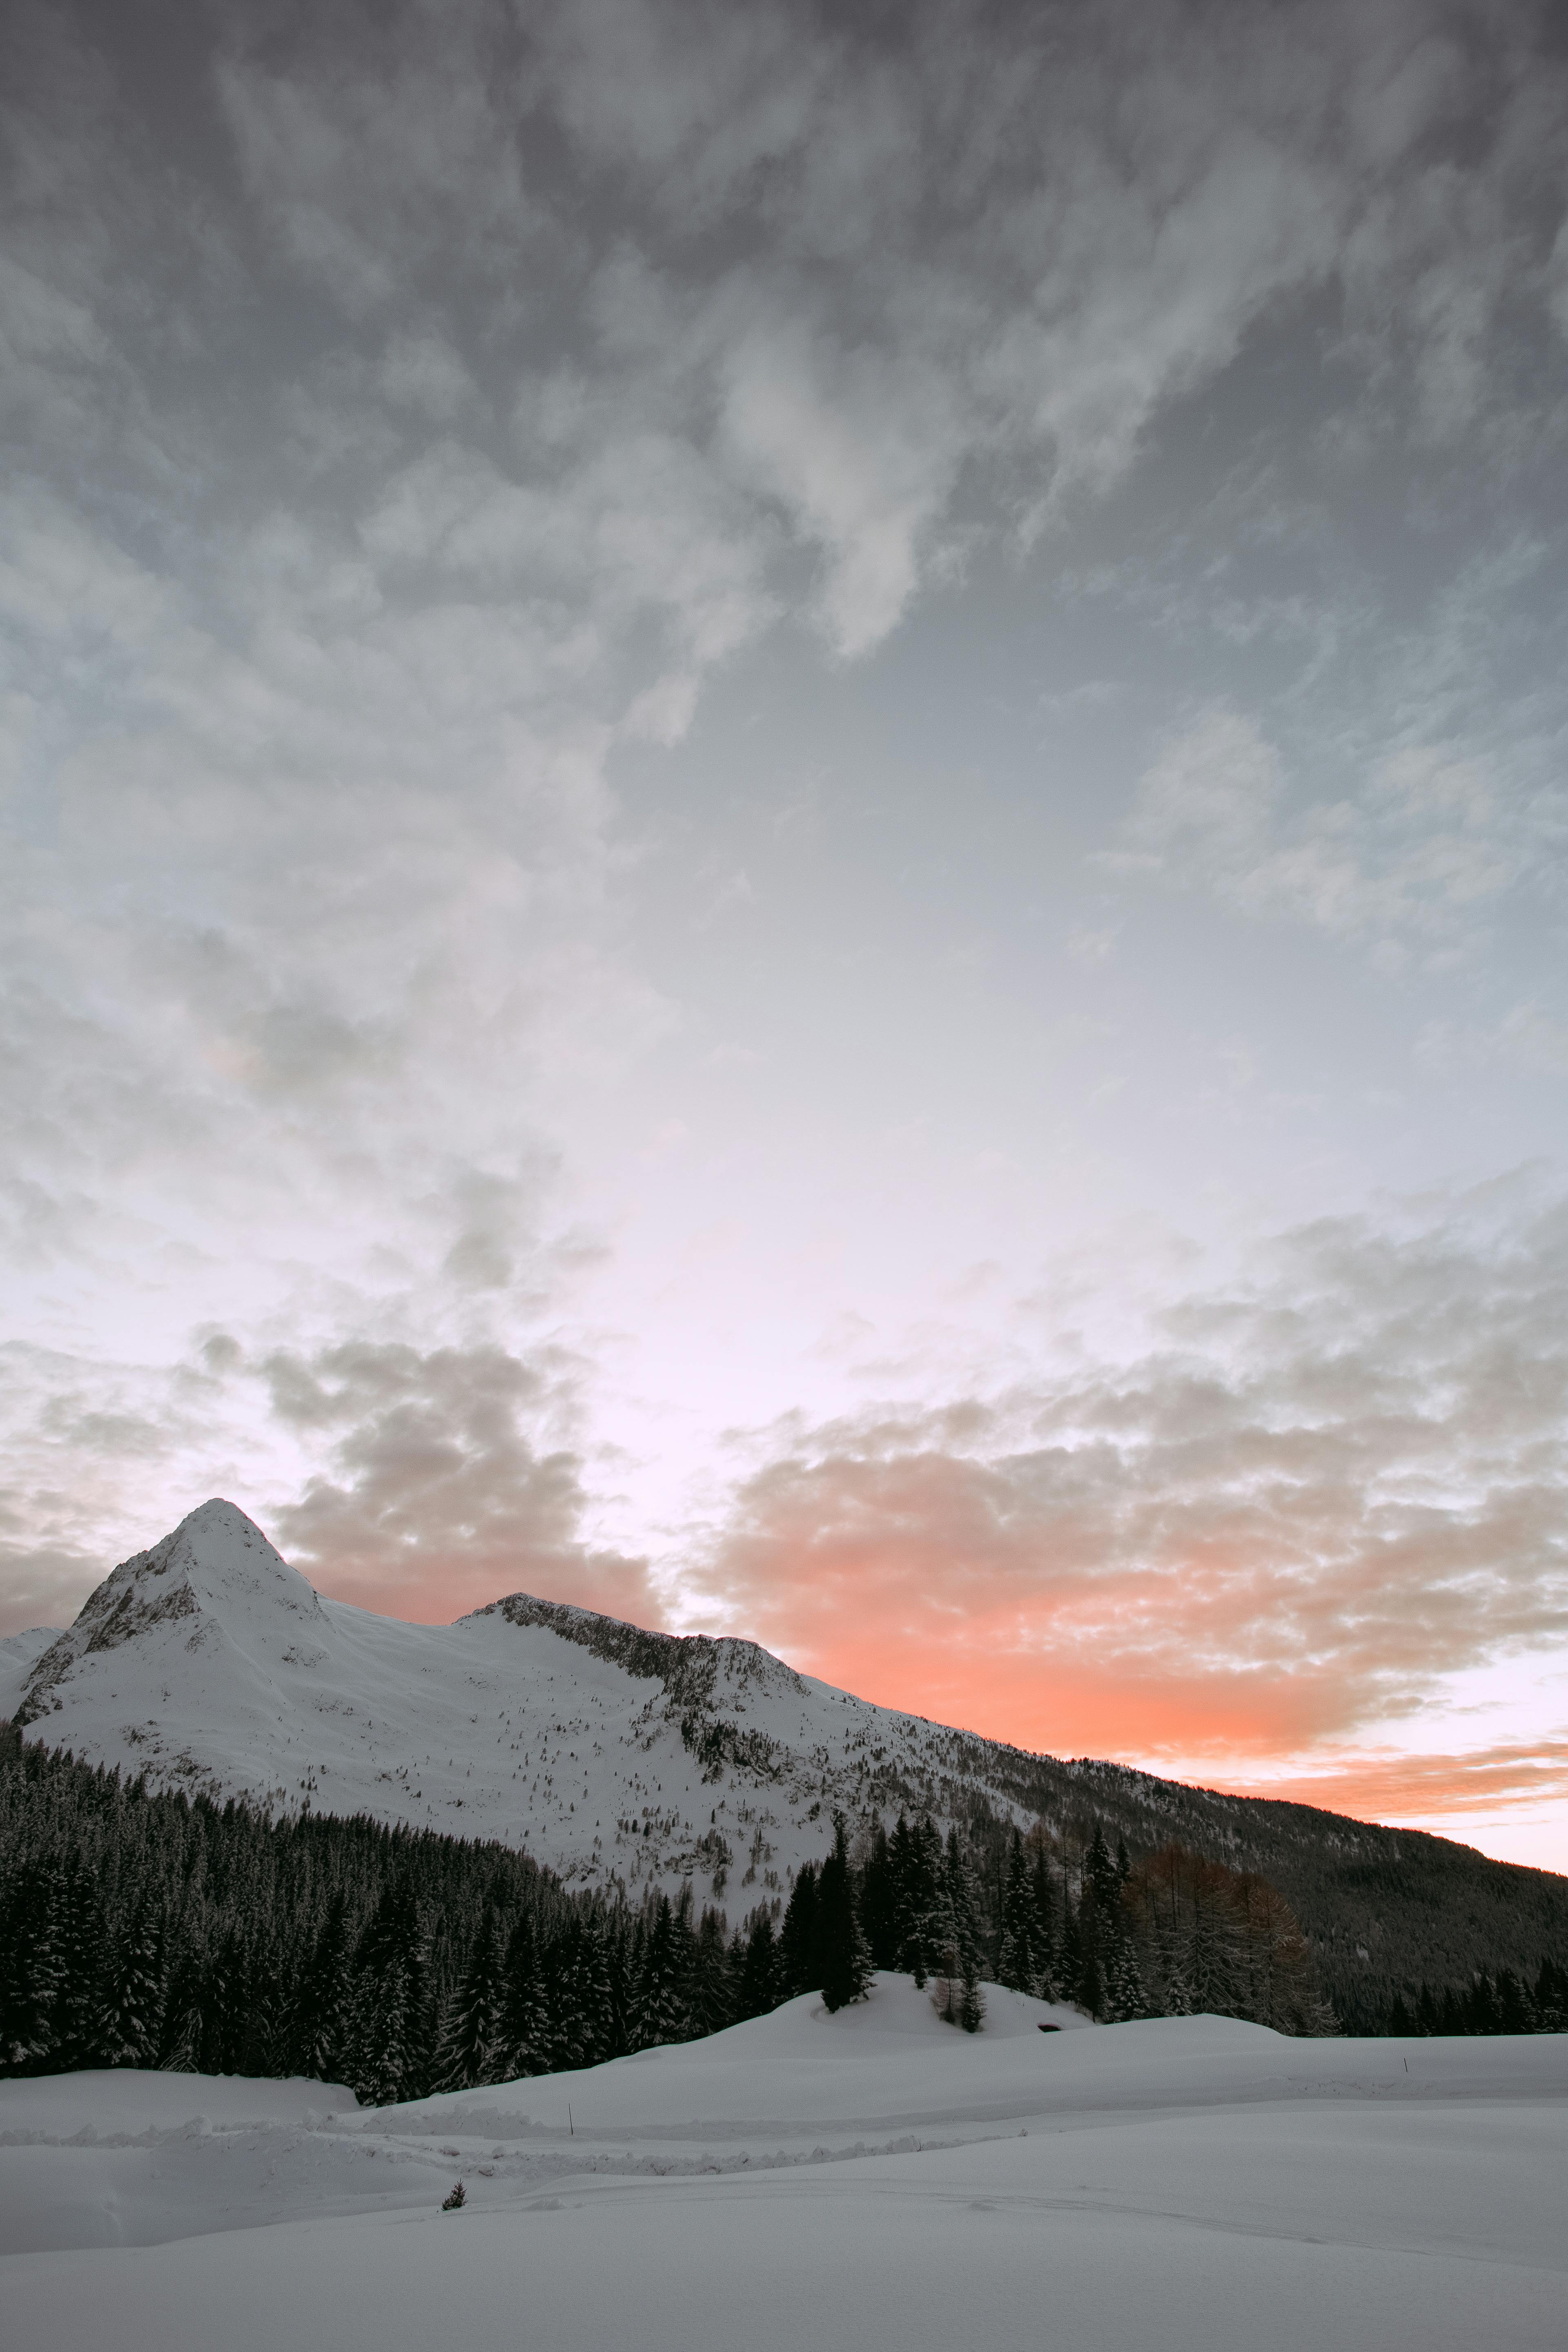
972	2001
1044	1927
388	2040
915	1856
321	2000
524	2030
961	1906
799	1947
1124	1991
471	2049
846	1957
758	1987
660	2016
32	1973
878	1900
1015	1964
709	1992
131	2016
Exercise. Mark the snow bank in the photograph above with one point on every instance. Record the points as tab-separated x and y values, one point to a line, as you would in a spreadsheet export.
873	2180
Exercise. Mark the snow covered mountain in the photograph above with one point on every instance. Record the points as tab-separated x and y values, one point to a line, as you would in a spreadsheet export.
620	1758
613	1755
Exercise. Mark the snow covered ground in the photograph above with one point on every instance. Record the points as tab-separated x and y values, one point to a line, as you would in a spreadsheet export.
870	2180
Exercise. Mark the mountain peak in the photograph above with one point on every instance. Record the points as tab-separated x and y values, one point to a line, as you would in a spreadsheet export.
214	1577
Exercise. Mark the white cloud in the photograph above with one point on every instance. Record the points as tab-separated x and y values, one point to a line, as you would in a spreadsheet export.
1424	852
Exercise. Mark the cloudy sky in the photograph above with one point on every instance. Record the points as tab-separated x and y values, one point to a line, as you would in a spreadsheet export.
784	824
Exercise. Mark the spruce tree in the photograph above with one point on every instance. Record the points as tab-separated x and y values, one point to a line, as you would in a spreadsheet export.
1044	1925
32	1973
389	2034
131	2015
846	1959
878	1901
321	1999
660	2016
1015	1963
799	1949
972	2001
525	2031
758	1987
709	1992
471	2049
961	1906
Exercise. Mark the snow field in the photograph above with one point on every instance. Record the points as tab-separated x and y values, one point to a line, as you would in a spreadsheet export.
873	2180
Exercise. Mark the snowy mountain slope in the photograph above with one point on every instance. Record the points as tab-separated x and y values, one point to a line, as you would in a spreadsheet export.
610	1754
872	2179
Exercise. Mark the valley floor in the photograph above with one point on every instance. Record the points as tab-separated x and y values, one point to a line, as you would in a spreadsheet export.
873	2181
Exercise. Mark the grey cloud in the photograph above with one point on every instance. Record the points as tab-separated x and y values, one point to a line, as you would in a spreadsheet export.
93	1446
441	1494
1344	1477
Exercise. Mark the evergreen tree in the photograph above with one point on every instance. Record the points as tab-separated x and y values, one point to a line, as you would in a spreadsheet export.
799	1945
660	2015
972	2001
524	2029
321	1999
879	1899
1044	1927
472	2049
132	2017
960	1908
846	1959
1015	1963
916	1854
758	1987
32	1973
389	2037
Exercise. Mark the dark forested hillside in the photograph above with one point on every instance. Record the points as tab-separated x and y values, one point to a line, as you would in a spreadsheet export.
1383	1910
143	1928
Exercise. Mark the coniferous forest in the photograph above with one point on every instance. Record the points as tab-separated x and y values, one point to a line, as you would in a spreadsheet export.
148	1930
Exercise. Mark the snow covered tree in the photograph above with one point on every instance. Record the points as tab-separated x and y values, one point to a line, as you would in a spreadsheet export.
130	2016
1045	1927
389	2036
660	2015
321	2001
1015	1963
471	2048
523	2028
33	1972
960	1908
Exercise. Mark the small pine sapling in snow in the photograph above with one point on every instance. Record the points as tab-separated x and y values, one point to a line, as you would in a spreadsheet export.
457	2201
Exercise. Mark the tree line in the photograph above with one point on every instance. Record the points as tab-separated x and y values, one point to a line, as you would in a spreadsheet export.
1500	2003
150	1930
